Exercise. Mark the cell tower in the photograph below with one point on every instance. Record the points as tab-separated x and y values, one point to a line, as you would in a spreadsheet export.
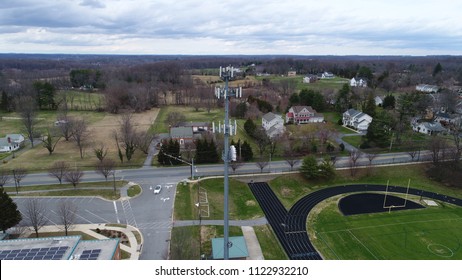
227	74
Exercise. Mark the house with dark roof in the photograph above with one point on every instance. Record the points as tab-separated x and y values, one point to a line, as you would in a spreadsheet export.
303	114
357	120
273	124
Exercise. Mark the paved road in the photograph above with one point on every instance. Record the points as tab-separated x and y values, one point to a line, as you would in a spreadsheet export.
153	214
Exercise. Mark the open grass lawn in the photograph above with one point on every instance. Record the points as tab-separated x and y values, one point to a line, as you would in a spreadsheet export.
81	100
160	125
335	83
433	233
269	244
242	204
189	243
102	189
100	129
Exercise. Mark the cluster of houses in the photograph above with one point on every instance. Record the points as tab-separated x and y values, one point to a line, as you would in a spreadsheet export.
435	123
274	124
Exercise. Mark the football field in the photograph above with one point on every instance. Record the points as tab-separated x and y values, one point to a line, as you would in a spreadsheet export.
432	233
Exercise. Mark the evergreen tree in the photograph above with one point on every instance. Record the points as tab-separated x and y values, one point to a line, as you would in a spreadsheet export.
438	68
250	127
343	99
45	95
9	213
309	167
246	151
4	101
389	102
213	156
369	108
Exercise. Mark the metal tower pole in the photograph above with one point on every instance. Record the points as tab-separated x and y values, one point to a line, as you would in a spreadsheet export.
226	179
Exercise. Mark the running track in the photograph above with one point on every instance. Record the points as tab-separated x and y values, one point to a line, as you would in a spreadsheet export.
290	226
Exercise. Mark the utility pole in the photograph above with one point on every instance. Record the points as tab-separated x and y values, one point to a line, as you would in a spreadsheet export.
226	74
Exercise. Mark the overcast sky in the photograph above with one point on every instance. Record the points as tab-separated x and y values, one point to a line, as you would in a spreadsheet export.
304	27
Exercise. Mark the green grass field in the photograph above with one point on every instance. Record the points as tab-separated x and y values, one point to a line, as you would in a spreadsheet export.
433	233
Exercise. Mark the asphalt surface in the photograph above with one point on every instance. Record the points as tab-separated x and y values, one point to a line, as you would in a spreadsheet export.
290	226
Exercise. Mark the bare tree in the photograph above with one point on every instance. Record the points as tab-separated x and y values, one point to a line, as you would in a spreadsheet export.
27	107
59	170
290	158
105	167
262	141
353	161
5	177
235	165
436	146
370	157
173	118
143	140
74	177
18	175
66	126
101	151
262	163
35	214
67	213
80	134
128	135
50	141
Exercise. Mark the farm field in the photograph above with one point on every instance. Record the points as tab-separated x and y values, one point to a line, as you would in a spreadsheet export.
433	233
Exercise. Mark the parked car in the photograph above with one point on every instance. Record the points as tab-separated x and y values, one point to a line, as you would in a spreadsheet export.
157	189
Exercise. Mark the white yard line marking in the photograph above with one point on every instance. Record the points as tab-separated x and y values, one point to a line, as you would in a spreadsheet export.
354	236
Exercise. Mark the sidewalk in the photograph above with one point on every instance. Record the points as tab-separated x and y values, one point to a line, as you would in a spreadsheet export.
134	249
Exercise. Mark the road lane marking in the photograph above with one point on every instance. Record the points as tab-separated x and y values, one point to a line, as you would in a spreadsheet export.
117	213
99	217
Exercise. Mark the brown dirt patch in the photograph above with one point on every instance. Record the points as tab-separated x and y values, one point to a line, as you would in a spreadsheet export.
250	203
286	192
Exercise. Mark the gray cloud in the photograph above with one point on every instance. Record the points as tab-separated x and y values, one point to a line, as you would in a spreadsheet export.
334	27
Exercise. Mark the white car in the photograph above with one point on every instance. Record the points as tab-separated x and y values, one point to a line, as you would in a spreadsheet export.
157	189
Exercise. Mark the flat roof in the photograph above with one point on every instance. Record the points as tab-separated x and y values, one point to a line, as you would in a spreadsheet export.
20	249
58	248
237	250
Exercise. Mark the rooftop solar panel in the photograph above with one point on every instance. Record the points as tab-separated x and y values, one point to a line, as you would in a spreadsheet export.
53	253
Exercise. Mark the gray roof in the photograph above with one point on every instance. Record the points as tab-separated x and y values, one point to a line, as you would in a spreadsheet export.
269	116
181	132
189	124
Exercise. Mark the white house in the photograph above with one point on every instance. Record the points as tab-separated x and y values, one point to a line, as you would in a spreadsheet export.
327	75
303	114
308	79
356	119
429	128
11	142
273	124
358	82
378	101
427	88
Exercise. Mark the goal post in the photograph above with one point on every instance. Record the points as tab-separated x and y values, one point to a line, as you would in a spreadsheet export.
395	206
